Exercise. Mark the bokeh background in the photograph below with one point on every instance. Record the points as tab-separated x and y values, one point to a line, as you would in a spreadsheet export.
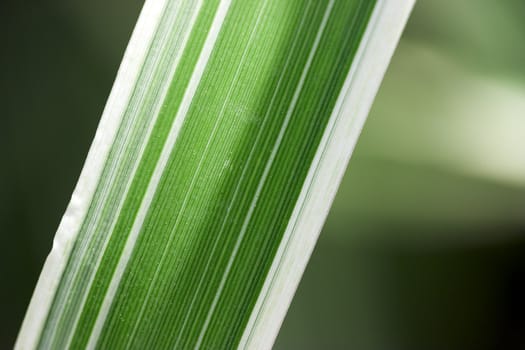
425	245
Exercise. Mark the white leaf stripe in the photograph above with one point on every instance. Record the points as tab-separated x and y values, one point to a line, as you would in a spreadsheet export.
267	168
255	319
159	169
375	51
161	44
85	189
244	171
199	166
156	110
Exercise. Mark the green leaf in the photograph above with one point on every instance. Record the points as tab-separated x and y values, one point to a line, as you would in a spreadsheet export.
218	155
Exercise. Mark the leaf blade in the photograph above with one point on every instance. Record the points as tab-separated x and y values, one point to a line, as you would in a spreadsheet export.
178	255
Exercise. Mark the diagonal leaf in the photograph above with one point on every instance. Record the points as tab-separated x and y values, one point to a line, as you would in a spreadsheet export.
218	155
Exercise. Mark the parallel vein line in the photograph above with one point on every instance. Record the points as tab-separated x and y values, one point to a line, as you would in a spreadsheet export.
246	166
266	170
97	212
197	171
159	169
306	189
151	124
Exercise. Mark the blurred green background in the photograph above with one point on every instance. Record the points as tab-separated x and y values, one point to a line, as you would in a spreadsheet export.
424	247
